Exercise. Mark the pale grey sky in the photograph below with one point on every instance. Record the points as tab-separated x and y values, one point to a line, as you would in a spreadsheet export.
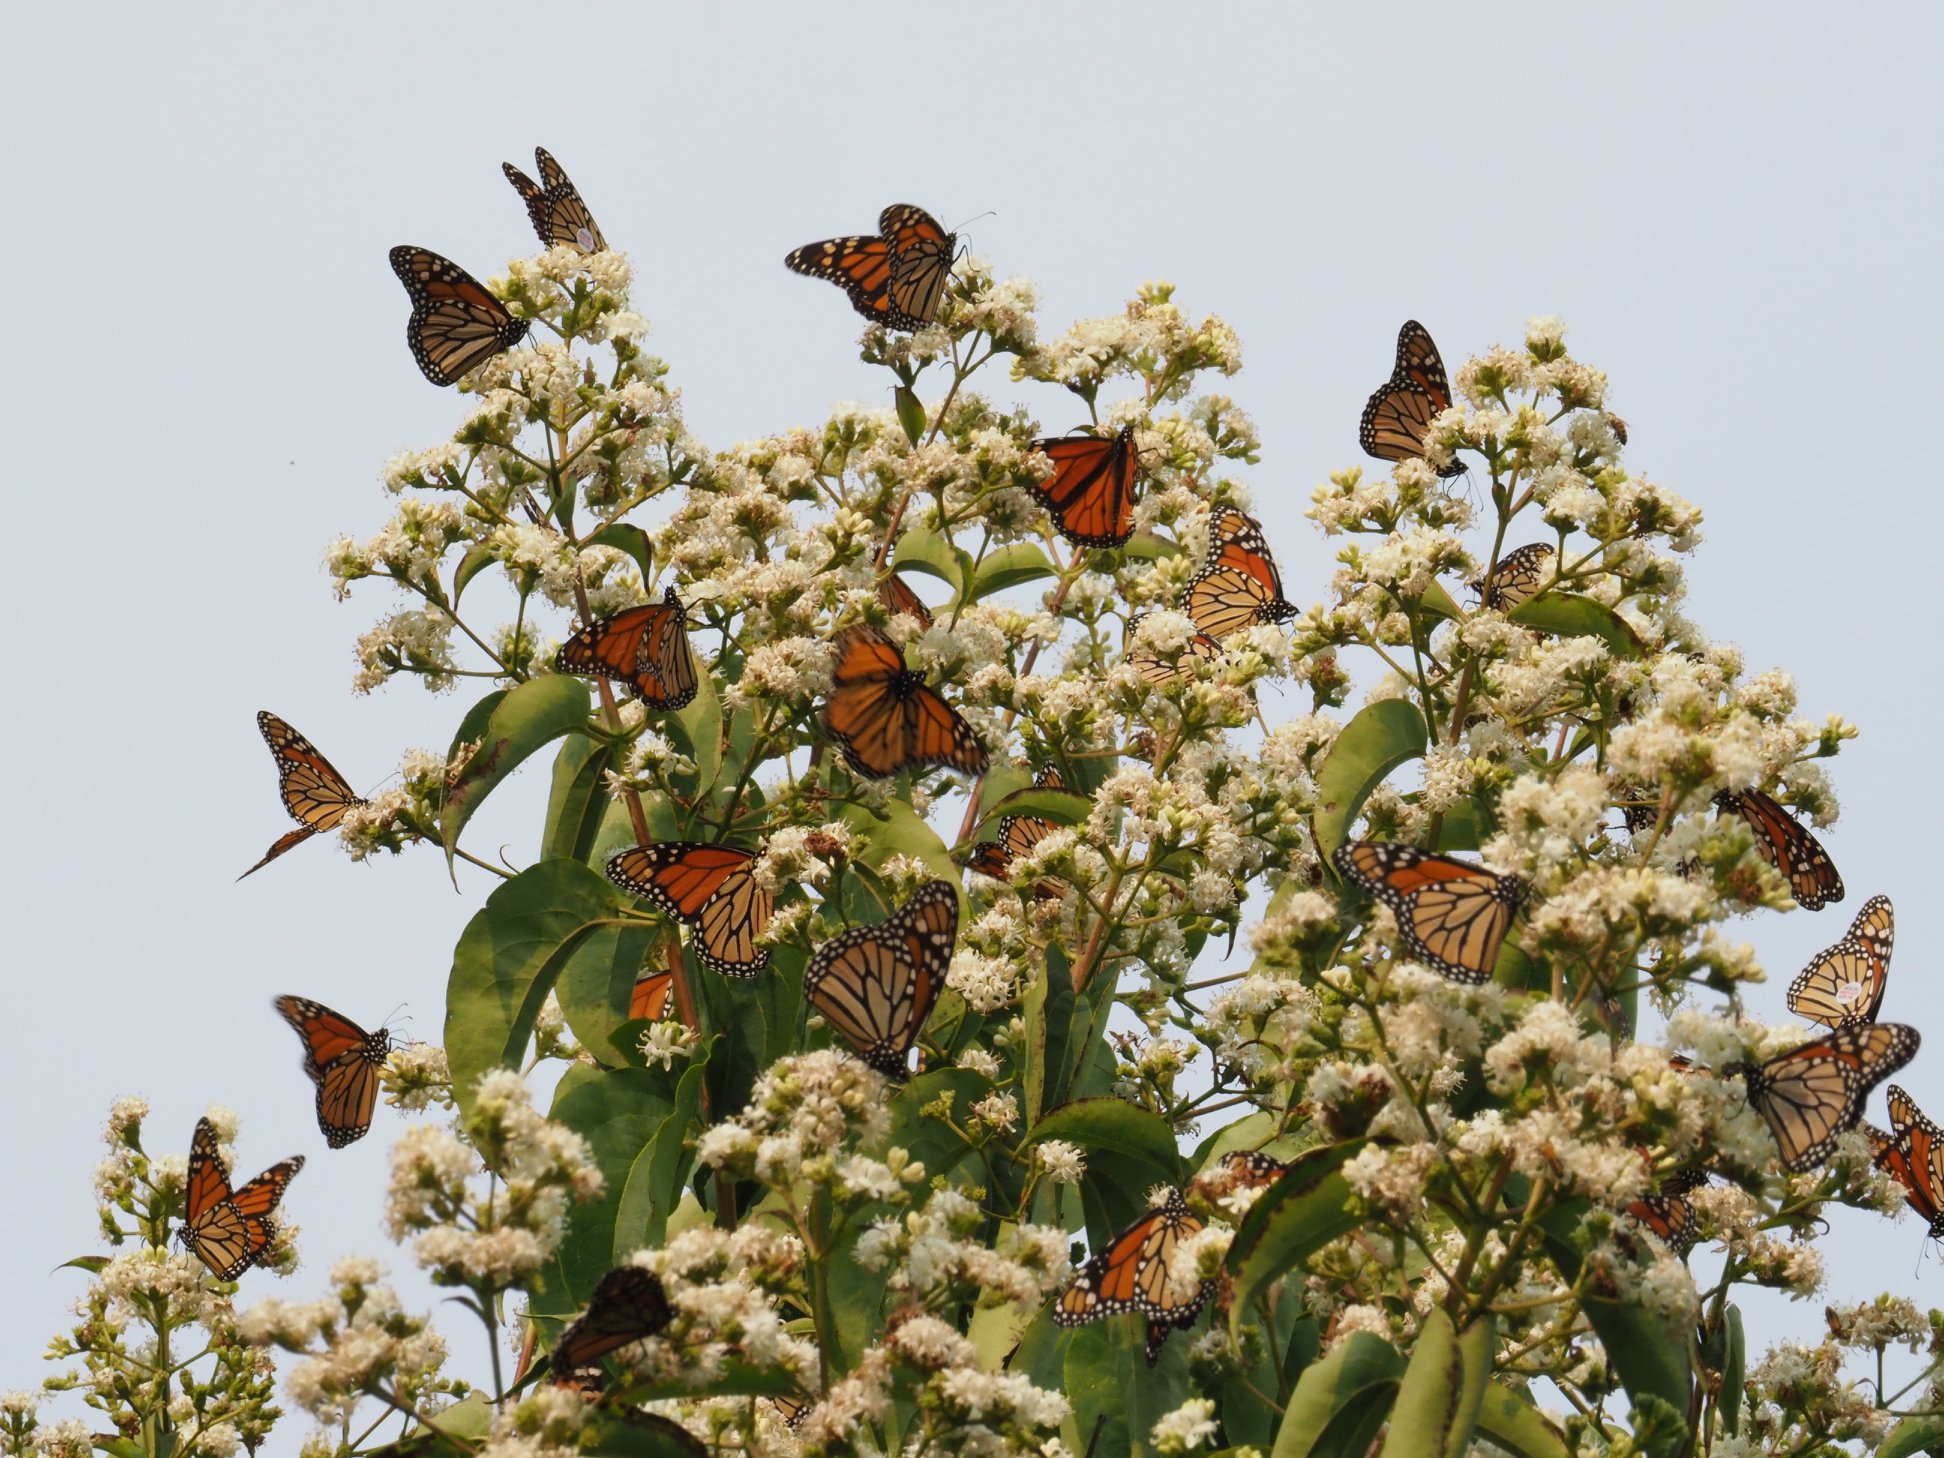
1734	206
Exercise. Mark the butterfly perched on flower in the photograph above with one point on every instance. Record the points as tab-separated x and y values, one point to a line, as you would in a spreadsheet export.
1517	578
876	984
1671	1217
343	1060
1786	845
1018	835
229	1230
794	1410
1091	490
629	1304
456	323
1451	914
1153	668
646	648
886	718
1239	1169
895	278
315	794
554	205
1845	984
1812	1095
1238	585
896	595
713	888
1914	1155
1131	1274
1398	414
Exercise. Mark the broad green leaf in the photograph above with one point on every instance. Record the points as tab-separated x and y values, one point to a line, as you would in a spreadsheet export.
617	1111
897	831
1114	1124
1248	1132
1437	1403
923	550
626	537
470	566
655	1180
1459	832
597	982
1382	736
1150	547
911	412
509	957
631	1433
1437	600
519	722
94	1265
1110	1384
931	1140
1304	1210
1008	567
1358	1376
1924	1434
1519	1427
1651	1354
1733	1370
1567	616
578	801
696	730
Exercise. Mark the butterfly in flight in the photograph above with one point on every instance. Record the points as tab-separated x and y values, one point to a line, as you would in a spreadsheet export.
314	793
1812	1095
1238	585
1398	414
1018	835
1786	845
1845	984
895	278
1153	668
649	1000
886	718
629	1304
1091	490
896	595
456	323
555	206
343	1060
1131	1274
1517	578
229	1230
712	888
1914	1154
646	648
876	984
1452	914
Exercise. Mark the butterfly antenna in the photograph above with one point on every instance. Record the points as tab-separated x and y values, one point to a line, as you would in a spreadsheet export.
988	213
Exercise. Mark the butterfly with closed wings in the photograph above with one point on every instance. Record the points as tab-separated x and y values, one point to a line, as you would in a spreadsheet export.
344	1061
1786	845
1018	835
629	1305
554	205
1401	410
876	984
1091	490
712	888
1812	1095
1451	914
456	324
646	648
1914	1155
229	1230
650	996
1846	983
1155	669
886	718
1517	578
1131	1274
315	794
896	277
1238	585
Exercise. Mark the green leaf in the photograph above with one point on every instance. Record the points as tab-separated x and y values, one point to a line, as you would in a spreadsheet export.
1733	1369
897	831
617	1111
923	550
655	1180
508	959
578	801
626	537
1116	1125
911	412
932	1140
1436	600
1382	736
1110	1384
1304	1210
1062	807
518	722
1008	567
1357	1379
1519	1427
93	1265
1437	1402
1913	1435
1150	547
1460	829
634	1434
470	566
696	730
597	982
1567	616
1650	1354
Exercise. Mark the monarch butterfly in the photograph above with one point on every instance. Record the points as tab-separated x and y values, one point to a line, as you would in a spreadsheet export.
1517	578
1683	1181
1091	490
314	793
456	324
1784	844
1811	1096
1451	914
1915	1156
1238	585
896	595
628	1304
229	1230
896	278
343	1060
711	887
1018	834
1153	668
645	647
1239	1169
886	718
794	1410
1131	1274
877	984
1845	984
650	996
1671	1217
1401	410
555	206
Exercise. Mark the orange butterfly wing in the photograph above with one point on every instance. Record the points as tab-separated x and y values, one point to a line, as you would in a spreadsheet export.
645	647
315	795
876	984
1785	844
1238	585
1451	914
628	1305
885	718
456	322
1091	490
229	1232
896	595
343	1060
711	888
1401	410
650	996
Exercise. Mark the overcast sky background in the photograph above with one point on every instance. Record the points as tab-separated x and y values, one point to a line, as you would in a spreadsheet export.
1734	207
